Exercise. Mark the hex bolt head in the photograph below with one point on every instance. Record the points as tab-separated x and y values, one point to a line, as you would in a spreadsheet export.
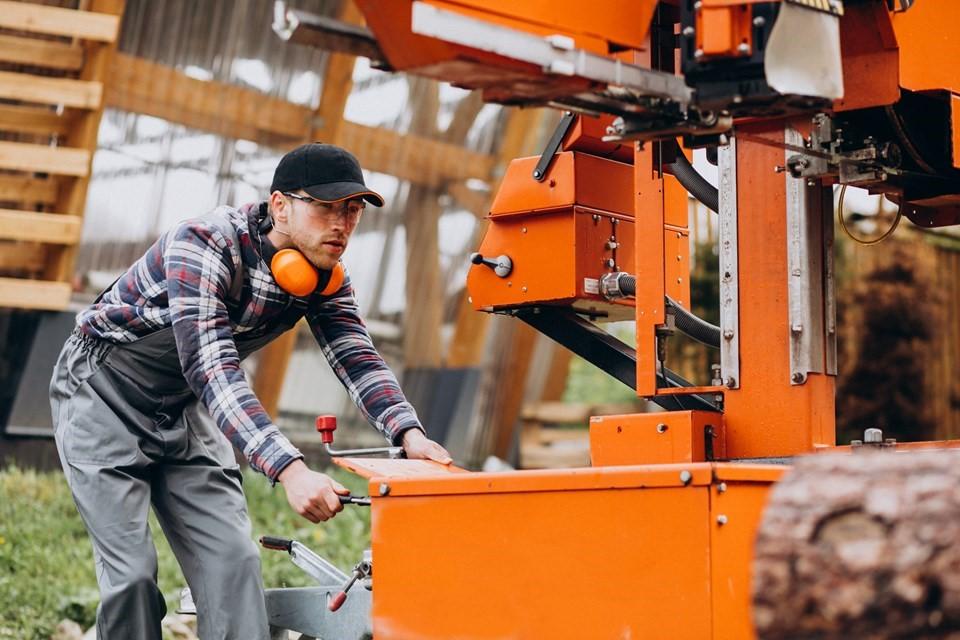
797	377
686	477
722	487
722	519
728	334
384	489
872	436
759	21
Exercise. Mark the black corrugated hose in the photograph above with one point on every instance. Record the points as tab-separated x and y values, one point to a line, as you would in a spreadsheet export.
696	184
686	322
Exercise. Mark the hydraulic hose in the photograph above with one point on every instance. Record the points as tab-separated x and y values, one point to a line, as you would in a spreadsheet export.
696	184
695	326
624	285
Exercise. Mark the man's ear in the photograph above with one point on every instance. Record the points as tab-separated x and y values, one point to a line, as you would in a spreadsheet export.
279	207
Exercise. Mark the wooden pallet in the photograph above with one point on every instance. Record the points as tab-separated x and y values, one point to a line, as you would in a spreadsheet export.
53	62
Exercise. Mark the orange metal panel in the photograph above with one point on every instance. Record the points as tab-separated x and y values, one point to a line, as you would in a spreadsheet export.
735	511
722	29
649	220
371	467
871	62
615	21
651	438
676	249
929	42
573	178
505	555
767	415
587	135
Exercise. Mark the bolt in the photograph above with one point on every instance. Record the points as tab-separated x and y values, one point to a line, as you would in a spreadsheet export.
722	519
523	289
679	280
688	32
614	221
873	436
611	263
796	328
612	245
679	258
731	382
797	377
523	229
509	284
728	334
759	21
698	54
779	168
686	477
697	5
743	48
384	489
722	487
662	428
596	218
537	173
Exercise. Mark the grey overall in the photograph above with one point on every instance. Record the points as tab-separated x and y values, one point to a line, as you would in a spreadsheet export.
130	433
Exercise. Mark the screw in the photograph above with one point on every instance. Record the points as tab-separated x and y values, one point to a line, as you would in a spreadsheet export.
698	54
731	382
662	428
611	263
384	489
743	48
537	173
872	436
686	477
596	218
797	377
722	487
779	168
523	229
759	21
523	289
697	5
722	519
728	334
688	32
615	221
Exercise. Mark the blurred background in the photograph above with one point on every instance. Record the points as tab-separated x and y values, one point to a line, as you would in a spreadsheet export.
199	101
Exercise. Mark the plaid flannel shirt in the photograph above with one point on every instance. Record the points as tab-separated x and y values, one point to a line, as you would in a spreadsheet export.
185	280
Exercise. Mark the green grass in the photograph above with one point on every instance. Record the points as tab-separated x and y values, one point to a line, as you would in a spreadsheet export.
46	563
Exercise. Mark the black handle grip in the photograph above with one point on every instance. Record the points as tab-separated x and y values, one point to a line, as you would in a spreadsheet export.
277	544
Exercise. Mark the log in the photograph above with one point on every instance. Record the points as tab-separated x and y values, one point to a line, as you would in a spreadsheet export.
863	546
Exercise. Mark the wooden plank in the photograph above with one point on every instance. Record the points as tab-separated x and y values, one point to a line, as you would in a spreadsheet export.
337	82
56	21
33	120
24	189
22	257
72	198
41	53
21	156
34	294
53	228
140	86
82	94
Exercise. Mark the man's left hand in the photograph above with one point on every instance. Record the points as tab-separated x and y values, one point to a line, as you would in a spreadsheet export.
419	447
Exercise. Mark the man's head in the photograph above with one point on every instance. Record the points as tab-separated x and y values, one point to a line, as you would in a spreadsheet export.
316	200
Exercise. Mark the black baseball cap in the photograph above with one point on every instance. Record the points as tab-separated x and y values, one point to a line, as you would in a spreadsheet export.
326	172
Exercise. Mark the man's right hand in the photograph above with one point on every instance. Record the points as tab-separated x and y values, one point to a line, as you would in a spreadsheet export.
313	495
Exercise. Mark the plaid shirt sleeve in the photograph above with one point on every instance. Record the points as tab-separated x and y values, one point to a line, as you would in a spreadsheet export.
343	338
198	262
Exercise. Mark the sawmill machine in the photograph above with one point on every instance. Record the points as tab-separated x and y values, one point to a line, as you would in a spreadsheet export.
791	98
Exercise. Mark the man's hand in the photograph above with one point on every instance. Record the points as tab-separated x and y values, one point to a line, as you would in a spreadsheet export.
419	446
313	495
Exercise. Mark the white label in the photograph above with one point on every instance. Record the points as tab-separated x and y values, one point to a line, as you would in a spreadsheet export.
591	285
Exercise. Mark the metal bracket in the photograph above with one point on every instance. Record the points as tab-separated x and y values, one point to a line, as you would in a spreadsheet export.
550	151
805	210
606	352
729	273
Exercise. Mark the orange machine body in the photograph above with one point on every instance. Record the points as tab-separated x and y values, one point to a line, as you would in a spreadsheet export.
509	555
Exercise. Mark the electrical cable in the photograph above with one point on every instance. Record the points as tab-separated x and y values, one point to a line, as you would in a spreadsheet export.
861	241
698	186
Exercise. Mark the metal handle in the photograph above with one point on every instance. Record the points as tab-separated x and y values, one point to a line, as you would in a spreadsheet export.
501	265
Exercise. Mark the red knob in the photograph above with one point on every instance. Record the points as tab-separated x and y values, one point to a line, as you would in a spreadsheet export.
326	425
337	601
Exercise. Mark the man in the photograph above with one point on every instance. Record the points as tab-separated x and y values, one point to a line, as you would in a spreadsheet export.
168	336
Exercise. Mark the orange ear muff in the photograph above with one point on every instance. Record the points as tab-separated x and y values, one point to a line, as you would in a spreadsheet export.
335	281
294	273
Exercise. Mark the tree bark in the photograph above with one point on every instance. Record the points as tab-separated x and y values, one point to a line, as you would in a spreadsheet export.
861	546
